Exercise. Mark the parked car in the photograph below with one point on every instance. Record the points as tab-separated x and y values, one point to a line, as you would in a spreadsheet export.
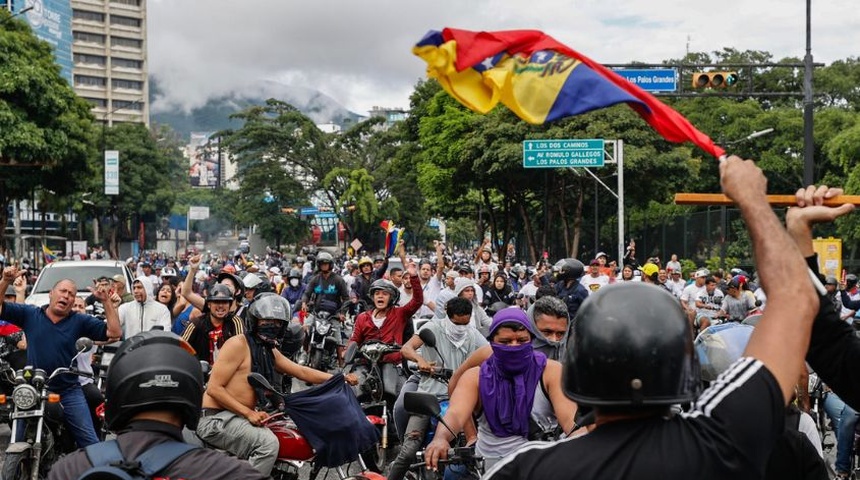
83	273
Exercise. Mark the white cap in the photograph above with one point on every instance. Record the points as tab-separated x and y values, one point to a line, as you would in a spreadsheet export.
275	270
251	281
701	273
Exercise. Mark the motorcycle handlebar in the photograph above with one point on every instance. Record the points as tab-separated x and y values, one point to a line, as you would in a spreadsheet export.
455	457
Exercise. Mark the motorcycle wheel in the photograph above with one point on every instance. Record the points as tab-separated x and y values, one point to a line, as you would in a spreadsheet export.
316	360
16	467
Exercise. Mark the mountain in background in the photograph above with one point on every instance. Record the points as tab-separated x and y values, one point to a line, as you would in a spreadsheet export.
214	115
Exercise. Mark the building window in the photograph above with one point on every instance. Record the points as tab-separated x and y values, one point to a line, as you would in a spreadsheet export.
126	42
96	102
127	105
135	3
125	21
84	59
87	37
119	83
126	63
90	81
88	16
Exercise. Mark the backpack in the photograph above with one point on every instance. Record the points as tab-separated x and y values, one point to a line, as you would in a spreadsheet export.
109	464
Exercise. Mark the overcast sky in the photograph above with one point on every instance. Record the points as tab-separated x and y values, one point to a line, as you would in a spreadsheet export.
359	51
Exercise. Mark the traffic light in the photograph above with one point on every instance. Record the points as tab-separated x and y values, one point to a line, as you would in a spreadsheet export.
714	79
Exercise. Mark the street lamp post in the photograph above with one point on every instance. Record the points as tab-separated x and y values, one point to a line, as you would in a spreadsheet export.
808	142
113	199
20	12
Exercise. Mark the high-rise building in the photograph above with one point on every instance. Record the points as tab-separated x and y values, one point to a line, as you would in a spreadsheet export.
100	46
109	54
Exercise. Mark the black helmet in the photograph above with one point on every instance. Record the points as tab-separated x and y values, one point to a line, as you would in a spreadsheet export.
850	281
568	269
294	273
631	346
387	286
153	370
239	291
217	293
719	346
496	308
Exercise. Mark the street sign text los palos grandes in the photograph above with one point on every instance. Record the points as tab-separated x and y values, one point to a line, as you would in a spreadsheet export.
563	153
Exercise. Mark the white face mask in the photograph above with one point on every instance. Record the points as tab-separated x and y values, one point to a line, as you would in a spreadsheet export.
294	282
456	333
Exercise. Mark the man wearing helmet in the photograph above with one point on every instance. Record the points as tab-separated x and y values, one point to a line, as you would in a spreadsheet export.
154	388
208	333
326	291
368	273
232	282
233	415
630	357
567	272
294	289
386	321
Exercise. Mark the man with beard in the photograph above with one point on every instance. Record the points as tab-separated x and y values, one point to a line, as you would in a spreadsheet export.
232	418
517	389
208	334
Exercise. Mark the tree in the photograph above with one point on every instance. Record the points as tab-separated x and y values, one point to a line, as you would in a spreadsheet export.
46	131
149	169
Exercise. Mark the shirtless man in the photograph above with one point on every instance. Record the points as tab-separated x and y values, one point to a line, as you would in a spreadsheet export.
232	418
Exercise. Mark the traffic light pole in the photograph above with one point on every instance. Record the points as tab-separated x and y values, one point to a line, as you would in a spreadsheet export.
808	141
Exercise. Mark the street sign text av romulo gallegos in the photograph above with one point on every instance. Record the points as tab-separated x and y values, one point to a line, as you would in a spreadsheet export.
563	153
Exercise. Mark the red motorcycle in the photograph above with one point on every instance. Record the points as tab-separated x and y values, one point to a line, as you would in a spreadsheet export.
295	450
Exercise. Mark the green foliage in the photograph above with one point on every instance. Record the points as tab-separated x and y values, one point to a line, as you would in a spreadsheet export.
45	130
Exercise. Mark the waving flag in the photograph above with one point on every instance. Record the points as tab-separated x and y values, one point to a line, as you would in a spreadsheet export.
393	235
49	254
541	80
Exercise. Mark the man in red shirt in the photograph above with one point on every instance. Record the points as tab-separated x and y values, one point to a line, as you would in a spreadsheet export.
386	321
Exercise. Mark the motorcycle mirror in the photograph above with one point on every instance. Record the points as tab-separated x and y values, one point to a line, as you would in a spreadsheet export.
428	337
425	404
83	344
258	381
421	403
349	356
205	367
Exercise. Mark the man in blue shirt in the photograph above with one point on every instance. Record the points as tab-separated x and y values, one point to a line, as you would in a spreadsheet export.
52	331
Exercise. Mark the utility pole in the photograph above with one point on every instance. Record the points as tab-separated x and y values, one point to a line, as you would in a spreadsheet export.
808	141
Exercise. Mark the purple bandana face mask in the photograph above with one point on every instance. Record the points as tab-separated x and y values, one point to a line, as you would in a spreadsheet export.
513	360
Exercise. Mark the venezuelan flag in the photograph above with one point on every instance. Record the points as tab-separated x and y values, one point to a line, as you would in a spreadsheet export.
540	80
393	235
49	254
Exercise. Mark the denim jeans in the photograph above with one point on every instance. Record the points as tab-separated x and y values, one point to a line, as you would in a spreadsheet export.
77	416
844	420
401	416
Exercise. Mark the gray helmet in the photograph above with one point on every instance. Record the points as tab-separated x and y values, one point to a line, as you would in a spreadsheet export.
568	269
387	286
831	280
850	281
217	293
270	306
325	257
294	273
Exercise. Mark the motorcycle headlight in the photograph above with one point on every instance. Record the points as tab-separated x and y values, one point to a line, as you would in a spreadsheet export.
323	328
25	397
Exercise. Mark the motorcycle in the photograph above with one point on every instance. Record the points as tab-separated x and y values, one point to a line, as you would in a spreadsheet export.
45	437
294	449
323	340
9	358
469	464
377	391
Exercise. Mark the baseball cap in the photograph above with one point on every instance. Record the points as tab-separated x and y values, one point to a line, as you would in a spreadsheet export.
275	270
601	254
701	273
595	263
452	274
119	278
649	269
